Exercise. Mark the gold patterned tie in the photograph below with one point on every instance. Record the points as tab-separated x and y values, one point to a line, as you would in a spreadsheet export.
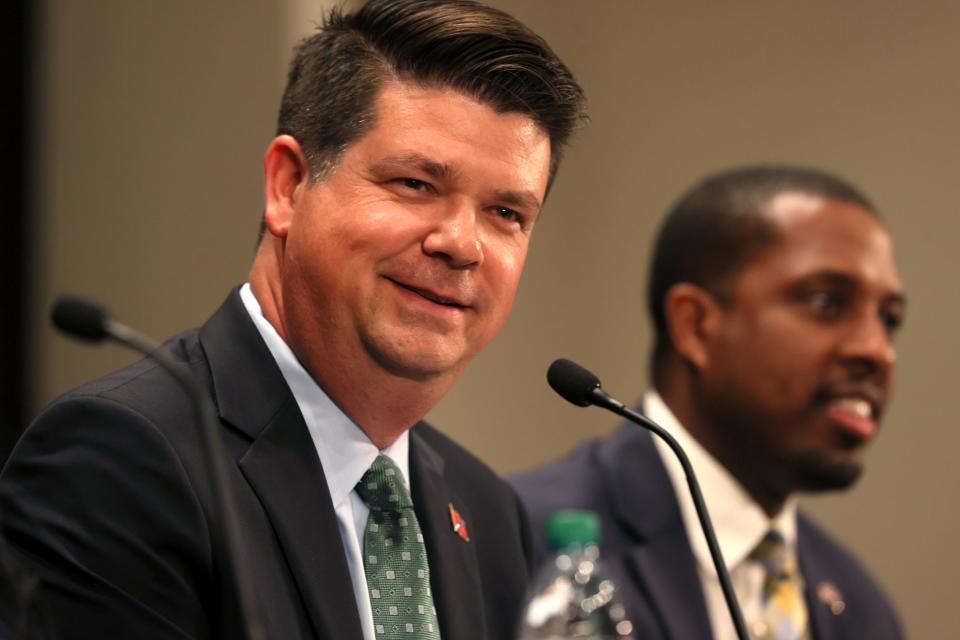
395	558
784	611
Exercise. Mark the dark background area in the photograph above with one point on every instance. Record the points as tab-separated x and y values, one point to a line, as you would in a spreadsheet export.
16	40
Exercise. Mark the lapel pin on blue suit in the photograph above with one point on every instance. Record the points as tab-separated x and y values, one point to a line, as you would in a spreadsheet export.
829	595
458	523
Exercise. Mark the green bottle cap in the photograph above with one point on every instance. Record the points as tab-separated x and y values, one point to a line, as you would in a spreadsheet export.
568	527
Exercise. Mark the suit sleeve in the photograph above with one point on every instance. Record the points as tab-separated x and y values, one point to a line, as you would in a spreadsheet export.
97	507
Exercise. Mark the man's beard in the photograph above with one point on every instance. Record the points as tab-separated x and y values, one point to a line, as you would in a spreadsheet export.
813	473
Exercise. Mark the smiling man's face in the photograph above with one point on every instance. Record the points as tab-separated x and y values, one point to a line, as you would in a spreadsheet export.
410	253
802	359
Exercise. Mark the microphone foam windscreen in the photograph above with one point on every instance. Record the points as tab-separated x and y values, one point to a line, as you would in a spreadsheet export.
574	383
79	318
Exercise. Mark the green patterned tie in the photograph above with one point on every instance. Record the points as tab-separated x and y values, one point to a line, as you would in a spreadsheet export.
395	558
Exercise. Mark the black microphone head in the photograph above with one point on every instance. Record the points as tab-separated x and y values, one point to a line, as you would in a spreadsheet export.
79	318
573	382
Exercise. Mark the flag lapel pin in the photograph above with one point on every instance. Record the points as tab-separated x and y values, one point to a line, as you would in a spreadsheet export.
459	524
829	595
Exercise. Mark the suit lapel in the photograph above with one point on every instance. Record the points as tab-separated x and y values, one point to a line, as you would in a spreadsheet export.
673	585
282	467
454	575
820	592
659	551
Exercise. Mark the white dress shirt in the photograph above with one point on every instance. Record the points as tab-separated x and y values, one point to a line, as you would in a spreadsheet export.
344	450
738	521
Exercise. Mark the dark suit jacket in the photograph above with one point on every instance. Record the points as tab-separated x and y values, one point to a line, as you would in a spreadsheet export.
106	499
645	548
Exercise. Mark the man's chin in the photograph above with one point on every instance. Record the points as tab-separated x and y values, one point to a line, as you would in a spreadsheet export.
815	472
420	362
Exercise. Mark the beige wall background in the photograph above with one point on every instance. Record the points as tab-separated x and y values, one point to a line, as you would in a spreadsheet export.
154	117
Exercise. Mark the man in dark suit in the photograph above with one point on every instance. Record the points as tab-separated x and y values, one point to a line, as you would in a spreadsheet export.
775	298
415	145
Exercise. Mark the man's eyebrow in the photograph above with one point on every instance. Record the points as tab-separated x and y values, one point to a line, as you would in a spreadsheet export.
432	168
830	276
898	298
441	171
843	279
521	199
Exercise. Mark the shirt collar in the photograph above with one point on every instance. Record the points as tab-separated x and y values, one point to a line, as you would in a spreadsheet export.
344	450
739	522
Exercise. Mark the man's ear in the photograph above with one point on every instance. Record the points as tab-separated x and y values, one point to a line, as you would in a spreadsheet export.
693	318
286	176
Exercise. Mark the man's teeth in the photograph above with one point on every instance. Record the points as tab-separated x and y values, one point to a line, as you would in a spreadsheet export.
857	406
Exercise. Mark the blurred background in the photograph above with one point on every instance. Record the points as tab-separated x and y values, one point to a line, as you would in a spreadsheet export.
134	133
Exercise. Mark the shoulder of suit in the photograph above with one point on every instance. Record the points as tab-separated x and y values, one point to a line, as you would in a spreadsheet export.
586	460
141	390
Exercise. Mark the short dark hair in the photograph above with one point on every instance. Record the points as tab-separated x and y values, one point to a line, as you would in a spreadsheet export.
483	52
716	228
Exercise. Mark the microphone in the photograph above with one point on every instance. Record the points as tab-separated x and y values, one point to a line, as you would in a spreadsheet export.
579	386
582	388
89	321
80	319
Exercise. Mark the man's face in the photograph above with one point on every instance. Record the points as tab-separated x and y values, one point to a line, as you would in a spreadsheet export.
410	253
802	359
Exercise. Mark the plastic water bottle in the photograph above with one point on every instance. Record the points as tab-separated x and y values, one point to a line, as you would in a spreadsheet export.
570	596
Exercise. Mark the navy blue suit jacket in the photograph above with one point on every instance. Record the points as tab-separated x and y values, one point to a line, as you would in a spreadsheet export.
105	499
645	547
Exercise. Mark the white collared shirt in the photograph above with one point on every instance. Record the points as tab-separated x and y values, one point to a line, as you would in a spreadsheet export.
344	450
738	522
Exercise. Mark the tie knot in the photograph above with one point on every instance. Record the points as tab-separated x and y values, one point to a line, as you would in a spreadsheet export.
383	487
771	552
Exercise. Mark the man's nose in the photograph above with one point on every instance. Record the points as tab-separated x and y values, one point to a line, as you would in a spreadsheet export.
455	236
870	341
